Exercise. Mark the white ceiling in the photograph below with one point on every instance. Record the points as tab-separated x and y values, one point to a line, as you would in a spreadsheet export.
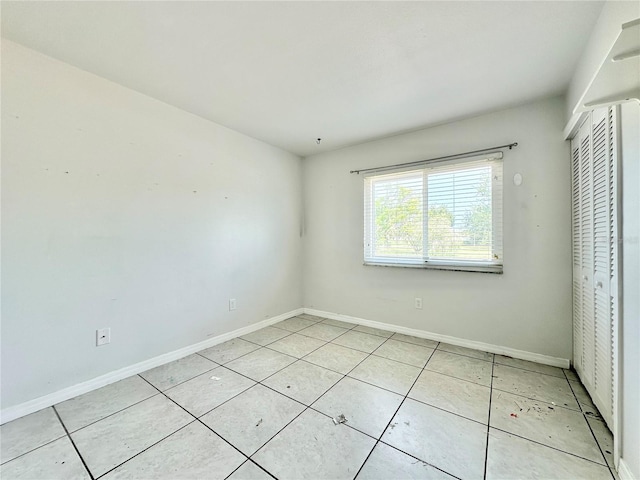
289	72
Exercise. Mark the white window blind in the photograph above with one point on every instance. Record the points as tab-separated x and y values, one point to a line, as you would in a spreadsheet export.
444	215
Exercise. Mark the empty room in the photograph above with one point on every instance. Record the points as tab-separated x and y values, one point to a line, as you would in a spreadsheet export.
320	240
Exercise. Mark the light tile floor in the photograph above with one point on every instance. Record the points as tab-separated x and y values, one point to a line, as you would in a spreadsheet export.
261	406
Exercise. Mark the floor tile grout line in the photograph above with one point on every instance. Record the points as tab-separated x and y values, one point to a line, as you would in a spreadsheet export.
354	324
331	340
280	393
551	447
395	413
33	449
307	407
289	333
275	325
582	409
449	411
341	346
579	410
380	441
220	404
389	338
184	381
340	373
267	386
75	447
255	382
591	430
506	365
197	419
248	460
296	359
373	353
228	361
457	378
111	414
419	459
345	375
357	350
464	355
533	371
376	334
379	438
565	370
145	449
378	386
394	416
437	342
274	351
326	342
486	447
259	382
558	406
299	358
399	361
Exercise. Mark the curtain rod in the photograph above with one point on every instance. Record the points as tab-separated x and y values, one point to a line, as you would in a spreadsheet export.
420	162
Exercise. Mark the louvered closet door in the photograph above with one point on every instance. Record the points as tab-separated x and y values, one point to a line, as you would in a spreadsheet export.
594	227
577	265
586	254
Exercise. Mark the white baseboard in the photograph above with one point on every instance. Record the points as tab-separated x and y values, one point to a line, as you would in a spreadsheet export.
17	411
11	413
461	342
624	472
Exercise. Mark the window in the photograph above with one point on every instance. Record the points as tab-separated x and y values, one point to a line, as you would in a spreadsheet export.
442	215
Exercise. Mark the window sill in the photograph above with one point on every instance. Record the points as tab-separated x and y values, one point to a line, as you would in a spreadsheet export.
461	267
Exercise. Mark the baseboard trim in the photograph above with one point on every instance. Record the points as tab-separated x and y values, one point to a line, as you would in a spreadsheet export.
17	411
624	472
461	342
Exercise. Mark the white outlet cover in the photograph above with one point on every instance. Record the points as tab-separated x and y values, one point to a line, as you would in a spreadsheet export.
418	303
232	304
103	336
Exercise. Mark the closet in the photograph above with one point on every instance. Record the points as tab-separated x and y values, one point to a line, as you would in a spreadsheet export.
594	161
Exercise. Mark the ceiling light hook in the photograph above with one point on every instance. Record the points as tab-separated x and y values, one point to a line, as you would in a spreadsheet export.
318	140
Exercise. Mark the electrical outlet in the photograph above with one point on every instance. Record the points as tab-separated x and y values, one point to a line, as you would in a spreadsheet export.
419	303
103	336
232	304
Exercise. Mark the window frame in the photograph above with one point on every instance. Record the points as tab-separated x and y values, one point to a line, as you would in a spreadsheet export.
494	159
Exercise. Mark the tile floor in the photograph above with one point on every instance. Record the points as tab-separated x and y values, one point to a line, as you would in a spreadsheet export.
261	406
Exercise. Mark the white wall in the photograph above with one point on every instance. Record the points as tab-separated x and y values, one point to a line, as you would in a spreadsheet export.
630	136
526	308
121	211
